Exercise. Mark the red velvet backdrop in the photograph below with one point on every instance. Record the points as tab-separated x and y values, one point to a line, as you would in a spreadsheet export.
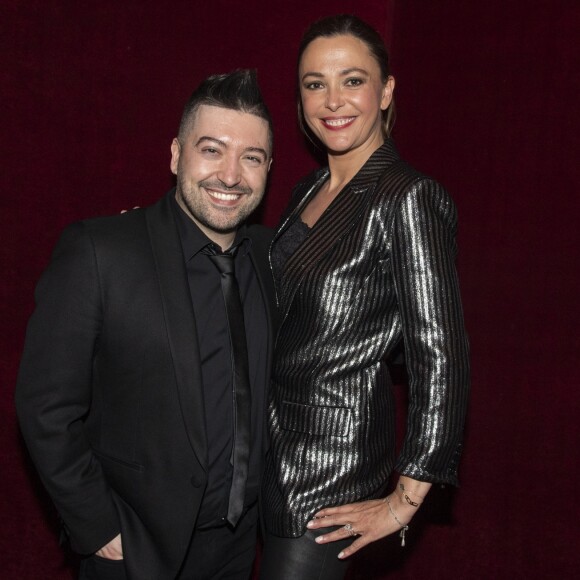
487	100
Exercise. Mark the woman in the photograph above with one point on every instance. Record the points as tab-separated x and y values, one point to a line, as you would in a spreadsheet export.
363	261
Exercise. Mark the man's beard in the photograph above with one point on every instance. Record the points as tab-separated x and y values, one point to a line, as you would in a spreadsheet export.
219	221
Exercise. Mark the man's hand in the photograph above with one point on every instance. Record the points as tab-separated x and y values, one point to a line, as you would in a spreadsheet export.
113	550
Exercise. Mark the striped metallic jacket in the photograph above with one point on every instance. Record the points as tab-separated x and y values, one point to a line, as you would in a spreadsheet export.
377	269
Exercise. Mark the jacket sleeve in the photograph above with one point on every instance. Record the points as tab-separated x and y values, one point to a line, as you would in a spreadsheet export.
436	347
53	392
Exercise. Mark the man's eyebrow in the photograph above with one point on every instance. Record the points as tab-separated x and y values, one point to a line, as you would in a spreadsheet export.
257	150
344	72
224	144
212	139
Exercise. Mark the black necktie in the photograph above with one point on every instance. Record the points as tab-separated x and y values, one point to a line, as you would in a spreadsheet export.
241	384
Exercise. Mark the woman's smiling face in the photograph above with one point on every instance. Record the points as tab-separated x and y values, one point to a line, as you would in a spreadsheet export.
343	94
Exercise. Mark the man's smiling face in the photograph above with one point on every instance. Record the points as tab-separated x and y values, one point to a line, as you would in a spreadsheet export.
221	167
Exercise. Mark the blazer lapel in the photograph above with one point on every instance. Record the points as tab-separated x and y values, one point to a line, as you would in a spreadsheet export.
181	330
259	255
337	221
301	195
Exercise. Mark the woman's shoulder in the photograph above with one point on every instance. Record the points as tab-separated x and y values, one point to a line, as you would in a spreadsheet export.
401	174
404	180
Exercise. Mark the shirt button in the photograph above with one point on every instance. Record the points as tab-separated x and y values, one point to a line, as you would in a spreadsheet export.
195	481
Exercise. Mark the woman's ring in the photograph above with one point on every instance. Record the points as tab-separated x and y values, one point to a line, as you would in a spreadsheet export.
348	528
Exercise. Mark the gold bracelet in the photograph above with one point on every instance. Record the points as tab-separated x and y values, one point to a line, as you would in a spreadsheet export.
408	499
404	528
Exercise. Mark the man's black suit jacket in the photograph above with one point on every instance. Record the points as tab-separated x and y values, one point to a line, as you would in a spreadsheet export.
109	393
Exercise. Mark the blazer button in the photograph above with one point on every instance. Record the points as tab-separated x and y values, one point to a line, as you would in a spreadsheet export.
196	481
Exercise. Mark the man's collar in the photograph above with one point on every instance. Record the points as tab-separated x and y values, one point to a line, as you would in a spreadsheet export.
242	240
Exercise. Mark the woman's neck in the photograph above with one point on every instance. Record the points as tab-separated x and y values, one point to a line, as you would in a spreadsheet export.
344	166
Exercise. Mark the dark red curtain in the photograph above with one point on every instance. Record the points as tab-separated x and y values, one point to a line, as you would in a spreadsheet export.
487	100
486	94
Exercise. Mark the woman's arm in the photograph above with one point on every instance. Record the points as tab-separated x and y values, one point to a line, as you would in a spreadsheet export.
436	348
436	352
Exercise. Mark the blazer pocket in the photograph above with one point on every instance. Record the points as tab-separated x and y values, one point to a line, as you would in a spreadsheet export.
117	461
315	420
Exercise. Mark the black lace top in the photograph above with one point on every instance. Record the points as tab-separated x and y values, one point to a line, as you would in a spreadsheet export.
286	245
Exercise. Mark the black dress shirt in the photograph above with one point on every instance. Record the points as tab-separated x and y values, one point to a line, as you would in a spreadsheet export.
214	345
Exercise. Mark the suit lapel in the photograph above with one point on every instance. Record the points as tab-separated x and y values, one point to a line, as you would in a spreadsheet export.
260	260
259	255
337	221
181	330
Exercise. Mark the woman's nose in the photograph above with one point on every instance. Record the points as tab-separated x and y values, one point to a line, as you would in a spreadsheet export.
334	99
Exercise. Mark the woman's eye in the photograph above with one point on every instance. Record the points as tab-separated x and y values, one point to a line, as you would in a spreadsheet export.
313	86
354	82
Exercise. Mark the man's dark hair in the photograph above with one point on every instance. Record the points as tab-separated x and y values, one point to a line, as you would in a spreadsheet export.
237	90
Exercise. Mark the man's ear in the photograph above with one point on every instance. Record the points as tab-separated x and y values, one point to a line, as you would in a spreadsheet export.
175	152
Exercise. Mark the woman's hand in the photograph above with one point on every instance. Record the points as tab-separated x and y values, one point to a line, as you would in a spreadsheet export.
371	520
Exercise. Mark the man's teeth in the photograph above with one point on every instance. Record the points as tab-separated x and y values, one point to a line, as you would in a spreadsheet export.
224	196
338	122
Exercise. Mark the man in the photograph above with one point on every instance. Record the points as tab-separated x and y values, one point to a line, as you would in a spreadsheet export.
130	394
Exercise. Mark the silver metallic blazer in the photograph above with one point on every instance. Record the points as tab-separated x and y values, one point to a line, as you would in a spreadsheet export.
376	269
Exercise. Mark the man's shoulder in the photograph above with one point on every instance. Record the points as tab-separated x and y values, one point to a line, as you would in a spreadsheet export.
113	236
127	224
260	234
261	237
110	224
